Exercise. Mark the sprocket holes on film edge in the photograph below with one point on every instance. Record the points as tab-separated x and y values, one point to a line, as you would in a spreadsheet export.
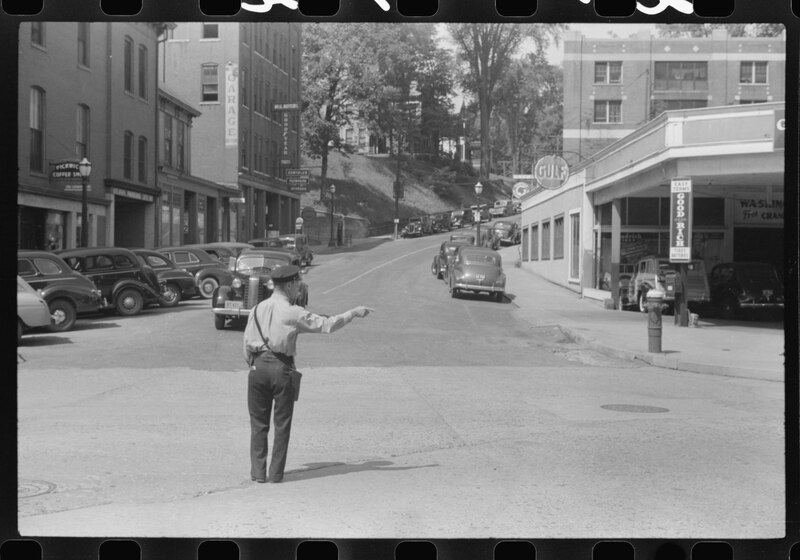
218	550
22	7
516	8
415	550
221	7
317	550
614	8
417	8
714	8
323	8
119	550
121	7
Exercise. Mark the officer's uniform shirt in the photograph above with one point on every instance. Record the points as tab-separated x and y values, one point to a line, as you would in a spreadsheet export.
281	322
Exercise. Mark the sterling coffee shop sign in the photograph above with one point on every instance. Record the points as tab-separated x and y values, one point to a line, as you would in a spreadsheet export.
680	220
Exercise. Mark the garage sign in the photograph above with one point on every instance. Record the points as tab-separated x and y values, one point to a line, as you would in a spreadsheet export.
680	220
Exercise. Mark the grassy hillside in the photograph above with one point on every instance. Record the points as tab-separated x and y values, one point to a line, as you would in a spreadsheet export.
364	186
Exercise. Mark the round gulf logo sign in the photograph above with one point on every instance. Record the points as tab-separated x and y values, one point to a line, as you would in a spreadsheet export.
520	189
551	172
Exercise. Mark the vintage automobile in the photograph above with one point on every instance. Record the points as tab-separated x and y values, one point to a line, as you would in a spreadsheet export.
441	222
178	283
501	209
32	309
251	284
126	284
506	231
478	270
447	251
209	273
67	293
657	272
284	243
222	250
742	288
411	229
463	237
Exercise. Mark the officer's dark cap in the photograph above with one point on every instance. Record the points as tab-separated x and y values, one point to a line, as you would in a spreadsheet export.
285	274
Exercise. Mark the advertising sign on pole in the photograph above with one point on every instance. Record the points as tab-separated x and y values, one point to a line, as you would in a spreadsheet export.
551	172
680	220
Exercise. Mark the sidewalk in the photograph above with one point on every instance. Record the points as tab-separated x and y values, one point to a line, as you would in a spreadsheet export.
730	348
359	244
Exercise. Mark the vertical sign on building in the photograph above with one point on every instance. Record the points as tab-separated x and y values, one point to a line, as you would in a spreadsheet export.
779	138
680	220
231	105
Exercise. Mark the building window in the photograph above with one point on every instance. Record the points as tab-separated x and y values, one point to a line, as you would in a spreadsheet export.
608	72
83	44
180	145
37	33
575	245
545	241
608	111
751	72
558	238
681	76
143	72
535	243
751	101
142	159
168	140
210	83
244	147
210	31
128	59
127	168
243	82
82	132
37	129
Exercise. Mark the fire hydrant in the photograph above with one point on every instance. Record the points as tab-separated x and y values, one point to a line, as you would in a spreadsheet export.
655	298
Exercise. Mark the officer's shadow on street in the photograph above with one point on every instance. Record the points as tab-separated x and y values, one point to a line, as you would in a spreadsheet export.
317	470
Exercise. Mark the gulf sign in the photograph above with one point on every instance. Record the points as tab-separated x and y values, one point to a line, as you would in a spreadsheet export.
551	172
680	220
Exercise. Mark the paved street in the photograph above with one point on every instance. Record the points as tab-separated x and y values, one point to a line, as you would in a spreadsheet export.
425	419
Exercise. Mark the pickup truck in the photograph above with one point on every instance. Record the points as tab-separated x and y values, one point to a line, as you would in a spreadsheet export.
655	272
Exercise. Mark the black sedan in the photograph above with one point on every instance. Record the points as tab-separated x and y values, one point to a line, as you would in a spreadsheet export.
178	283
209	273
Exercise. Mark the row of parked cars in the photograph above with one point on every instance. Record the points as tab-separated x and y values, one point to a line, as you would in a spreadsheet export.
733	290
77	282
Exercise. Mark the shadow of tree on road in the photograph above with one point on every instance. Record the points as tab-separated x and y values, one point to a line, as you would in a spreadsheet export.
316	470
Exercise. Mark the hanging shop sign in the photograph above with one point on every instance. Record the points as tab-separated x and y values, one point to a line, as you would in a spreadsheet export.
551	172
231	105
758	210
680	220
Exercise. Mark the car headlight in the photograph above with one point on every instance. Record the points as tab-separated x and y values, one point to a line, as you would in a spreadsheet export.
237	283
271	284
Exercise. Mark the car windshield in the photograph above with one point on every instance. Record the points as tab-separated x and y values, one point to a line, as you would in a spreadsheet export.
247	263
481	258
288	242
758	276
451	249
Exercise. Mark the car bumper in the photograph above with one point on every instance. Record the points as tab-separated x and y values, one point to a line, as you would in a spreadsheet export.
493	288
761	305
230	312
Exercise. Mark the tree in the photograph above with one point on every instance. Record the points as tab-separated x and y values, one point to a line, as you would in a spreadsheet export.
488	49
338	75
705	29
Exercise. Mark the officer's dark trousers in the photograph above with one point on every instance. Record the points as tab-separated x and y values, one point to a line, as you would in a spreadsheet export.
269	381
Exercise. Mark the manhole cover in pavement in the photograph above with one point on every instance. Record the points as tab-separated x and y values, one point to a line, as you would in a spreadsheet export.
633	408
31	488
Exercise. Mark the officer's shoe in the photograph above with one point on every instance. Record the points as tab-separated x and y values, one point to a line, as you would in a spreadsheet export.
258	479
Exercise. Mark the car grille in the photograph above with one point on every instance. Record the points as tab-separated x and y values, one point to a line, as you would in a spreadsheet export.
254	291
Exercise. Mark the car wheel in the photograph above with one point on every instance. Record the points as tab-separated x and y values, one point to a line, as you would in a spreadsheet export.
219	322
63	313
729	308
433	268
453	292
129	302
207	287
643	301
170	296
498	297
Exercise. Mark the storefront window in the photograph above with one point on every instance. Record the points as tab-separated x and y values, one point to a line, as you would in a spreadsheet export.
535	243
545	241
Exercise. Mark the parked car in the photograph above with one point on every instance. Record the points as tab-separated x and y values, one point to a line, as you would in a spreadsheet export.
251	284
507	232
126	284
478	270
457	218
441	222
298	244
32	309
223	250
463	237
738	288
209	273
178	283
67	293
447	251
282	243
654	272
501	209
412	229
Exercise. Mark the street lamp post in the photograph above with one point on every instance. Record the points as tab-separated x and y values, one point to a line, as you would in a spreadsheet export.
478	191
332	189
85	169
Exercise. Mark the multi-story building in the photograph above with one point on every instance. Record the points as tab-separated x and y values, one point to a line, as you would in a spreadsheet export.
87	90
613	86
245	79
